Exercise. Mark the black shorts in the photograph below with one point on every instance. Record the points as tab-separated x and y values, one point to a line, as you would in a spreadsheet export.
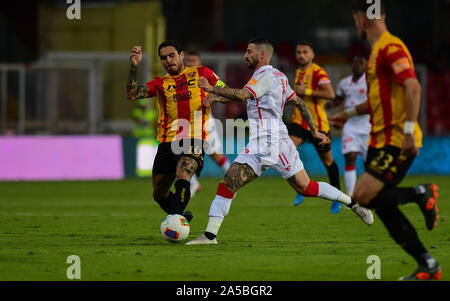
296	130
166	160
387	165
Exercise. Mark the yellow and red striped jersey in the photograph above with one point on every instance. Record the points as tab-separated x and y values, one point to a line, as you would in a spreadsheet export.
312	78
389	65
182	113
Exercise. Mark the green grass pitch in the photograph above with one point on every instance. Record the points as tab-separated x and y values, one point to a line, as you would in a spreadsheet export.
113	226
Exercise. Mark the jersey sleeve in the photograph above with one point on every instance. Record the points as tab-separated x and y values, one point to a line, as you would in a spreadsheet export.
322	77
260	85
397	59
153	86
209	75
289	92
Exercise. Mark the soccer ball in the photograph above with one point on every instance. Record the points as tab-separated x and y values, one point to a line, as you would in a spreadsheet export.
175	228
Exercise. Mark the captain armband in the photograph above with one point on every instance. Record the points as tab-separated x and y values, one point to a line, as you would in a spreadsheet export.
220	84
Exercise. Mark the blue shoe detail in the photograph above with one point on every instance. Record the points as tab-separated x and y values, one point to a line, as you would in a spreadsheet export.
298	199
335	207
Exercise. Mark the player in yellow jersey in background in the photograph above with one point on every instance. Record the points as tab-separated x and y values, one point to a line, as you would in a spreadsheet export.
313	85
393	103
182	123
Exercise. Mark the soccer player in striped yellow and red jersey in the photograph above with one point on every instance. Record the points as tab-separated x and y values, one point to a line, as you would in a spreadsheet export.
393	105
313	85
182	122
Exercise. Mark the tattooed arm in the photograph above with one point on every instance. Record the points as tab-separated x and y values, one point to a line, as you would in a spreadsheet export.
306	114
304	110
226	94
135	91
211	97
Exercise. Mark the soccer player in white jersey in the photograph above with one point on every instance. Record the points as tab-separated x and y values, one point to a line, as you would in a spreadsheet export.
214	146
266	94
355	135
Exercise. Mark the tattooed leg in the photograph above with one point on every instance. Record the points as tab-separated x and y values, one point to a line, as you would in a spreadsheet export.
186	168
237	176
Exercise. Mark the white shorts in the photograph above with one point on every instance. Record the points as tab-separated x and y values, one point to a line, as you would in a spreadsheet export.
284	159
214	145
352	142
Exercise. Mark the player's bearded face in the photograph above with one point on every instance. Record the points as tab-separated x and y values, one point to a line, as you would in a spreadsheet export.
172	60
251	57
304	55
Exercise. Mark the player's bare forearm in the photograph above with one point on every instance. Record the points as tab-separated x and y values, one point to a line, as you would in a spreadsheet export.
362	108
233	94
412	98
304	110
135	91
218	98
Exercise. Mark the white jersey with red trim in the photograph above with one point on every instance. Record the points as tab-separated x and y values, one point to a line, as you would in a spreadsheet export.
269	144
270	89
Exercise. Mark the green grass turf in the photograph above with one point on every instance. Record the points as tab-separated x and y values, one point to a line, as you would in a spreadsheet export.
113	226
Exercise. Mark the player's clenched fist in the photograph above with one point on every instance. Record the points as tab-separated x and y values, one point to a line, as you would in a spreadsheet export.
204	84
136	55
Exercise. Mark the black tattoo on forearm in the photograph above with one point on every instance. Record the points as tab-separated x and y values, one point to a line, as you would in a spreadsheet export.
306	113
238	175
233	94
135	91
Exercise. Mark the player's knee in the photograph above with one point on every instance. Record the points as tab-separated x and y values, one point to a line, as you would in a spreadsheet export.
186	168
350	159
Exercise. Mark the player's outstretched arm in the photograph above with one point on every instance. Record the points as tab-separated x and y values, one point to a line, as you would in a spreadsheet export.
211	97
304	110
306	114
135	91
339	119
230	93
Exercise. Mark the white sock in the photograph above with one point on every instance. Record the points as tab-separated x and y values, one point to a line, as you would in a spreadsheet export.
350	179
214	224
220	207
326	191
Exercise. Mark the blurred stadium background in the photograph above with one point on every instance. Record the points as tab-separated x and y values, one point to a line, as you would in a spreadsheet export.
63	110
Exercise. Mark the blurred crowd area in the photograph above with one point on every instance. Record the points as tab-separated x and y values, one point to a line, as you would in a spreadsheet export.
205	26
